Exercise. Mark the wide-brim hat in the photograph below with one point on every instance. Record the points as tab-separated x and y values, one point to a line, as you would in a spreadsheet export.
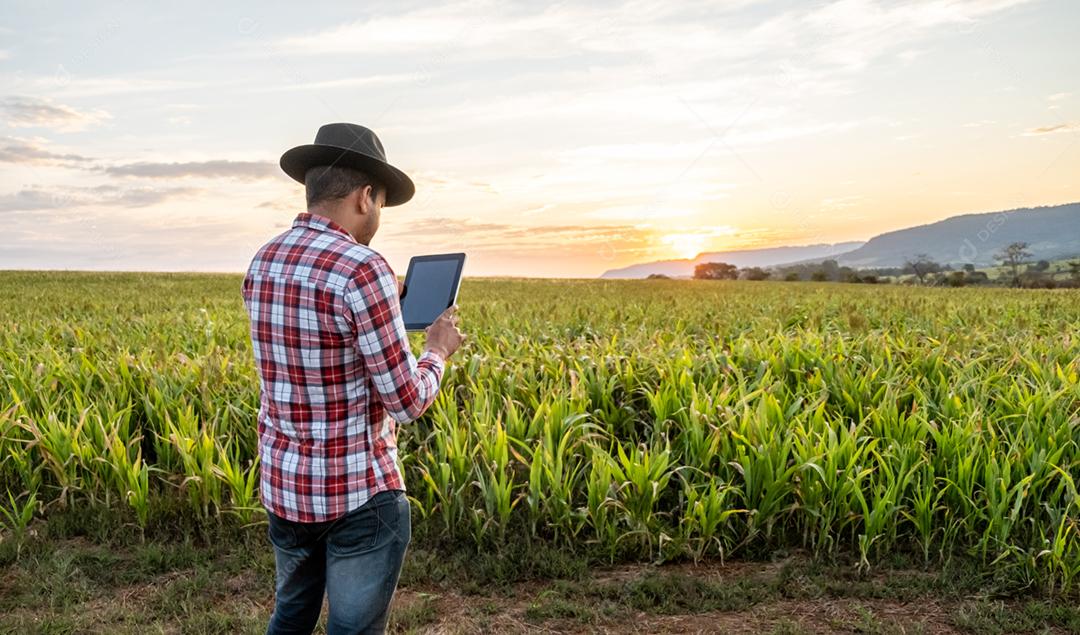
352	146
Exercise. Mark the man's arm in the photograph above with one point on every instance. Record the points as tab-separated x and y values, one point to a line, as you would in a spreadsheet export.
245	290
406	386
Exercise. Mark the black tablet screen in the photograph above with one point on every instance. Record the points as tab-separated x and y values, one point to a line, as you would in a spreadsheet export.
430	287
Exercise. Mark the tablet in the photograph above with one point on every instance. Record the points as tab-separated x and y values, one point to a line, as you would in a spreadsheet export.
431	287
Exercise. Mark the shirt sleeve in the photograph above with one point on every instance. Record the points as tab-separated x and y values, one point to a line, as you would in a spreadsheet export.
406	386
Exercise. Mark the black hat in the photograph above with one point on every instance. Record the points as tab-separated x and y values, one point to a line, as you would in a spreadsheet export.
352	146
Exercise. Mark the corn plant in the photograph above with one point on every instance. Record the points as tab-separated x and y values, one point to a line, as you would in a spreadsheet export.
648	421
17	517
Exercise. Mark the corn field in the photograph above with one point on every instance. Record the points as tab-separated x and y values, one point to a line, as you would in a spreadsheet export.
644	420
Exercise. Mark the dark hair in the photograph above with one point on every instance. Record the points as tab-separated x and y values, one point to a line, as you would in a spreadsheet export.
330	183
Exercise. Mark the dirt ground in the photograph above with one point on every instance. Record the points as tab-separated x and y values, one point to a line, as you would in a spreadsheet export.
74	586
455	613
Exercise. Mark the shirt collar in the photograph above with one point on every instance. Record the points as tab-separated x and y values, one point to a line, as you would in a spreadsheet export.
320	223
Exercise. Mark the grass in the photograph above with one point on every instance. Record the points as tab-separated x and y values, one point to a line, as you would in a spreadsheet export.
64	581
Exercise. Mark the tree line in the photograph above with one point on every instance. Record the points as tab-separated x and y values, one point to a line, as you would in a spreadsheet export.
1015	259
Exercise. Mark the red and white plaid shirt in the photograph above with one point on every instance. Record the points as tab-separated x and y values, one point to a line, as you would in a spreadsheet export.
333	361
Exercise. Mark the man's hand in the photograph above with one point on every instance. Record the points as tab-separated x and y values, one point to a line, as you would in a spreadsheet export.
443	336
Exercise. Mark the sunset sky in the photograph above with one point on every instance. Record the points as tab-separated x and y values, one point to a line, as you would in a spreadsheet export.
553	140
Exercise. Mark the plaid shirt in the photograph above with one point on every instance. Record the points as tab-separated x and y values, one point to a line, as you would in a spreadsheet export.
333	361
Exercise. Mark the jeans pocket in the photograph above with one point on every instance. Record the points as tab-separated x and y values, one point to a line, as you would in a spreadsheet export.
281	533
357	532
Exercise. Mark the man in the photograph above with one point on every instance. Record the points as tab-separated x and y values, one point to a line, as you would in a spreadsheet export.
336	374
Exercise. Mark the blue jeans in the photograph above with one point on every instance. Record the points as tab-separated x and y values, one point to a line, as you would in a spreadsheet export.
356	559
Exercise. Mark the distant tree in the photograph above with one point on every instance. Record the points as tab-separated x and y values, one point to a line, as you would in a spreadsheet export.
1036	280
657	276
792	276
1042	265
870	279
716	271
977	277
1012	257
956	279
885	271
969	268
1074	270
921	265
755	273
819	276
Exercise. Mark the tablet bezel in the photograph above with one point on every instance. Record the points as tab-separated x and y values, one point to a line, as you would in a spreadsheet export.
458	258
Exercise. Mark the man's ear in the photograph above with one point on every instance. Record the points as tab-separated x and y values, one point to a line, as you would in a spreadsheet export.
356	200
366	196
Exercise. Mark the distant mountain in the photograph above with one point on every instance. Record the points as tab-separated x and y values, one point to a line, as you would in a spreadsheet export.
1051	232
769	257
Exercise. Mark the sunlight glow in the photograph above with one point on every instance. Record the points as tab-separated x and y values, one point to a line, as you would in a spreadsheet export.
685	245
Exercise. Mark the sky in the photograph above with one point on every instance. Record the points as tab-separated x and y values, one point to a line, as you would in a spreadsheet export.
558	139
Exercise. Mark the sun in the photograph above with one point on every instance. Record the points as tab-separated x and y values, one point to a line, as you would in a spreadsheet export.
685	245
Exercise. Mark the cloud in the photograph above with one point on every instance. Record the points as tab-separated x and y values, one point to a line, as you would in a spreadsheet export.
28	200
1054	129
636	61
452	228
843	33
34	152
840	202
220	168
489	242
348	82
65	197
550	32
292	201
495	238
32	112
852	33
22	151
63	84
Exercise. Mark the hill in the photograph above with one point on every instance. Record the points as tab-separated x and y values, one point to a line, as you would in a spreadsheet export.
1051	232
